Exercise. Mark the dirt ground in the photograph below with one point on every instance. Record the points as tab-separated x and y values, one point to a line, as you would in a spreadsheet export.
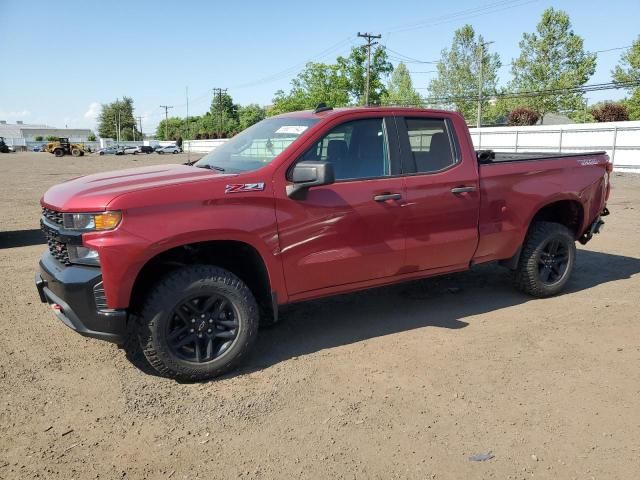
407	381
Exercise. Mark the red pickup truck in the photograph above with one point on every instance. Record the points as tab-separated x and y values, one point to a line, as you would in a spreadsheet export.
187	260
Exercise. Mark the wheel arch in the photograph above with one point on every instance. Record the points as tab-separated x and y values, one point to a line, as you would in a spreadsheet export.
567	211
237	256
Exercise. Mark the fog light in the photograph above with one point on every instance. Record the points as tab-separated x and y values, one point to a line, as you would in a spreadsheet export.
83	255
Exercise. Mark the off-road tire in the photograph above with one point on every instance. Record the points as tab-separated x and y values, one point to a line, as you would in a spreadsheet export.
527	276
76	152
173	289
58	152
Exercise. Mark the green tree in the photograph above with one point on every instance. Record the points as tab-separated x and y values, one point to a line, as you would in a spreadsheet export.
52	138
336	84
458	80
118	112
38	138
628	70
354	68
317	83
91	137
225	113
250	114
400	89
174	127
552	58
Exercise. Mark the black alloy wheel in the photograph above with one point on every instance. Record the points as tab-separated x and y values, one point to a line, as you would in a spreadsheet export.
202	328
553	261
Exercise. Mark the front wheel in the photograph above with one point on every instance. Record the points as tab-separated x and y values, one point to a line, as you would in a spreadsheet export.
199	322
547	259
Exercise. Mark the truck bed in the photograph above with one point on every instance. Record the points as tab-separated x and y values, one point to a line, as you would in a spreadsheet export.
489	157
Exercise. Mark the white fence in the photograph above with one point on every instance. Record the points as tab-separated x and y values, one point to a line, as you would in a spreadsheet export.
621	140
202	146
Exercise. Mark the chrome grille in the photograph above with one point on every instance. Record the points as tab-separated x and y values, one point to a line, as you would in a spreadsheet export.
57	248
52	216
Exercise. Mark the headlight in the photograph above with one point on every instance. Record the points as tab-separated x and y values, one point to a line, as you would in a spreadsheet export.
92	221
83	255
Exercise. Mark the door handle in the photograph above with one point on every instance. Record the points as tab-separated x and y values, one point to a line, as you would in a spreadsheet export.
387	196
457	190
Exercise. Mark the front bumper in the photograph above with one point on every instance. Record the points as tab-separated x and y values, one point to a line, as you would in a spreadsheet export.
75	294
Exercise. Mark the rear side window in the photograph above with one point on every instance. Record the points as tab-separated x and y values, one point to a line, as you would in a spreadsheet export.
357	149
430	144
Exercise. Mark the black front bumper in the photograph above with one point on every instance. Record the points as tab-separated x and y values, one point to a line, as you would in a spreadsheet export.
76	296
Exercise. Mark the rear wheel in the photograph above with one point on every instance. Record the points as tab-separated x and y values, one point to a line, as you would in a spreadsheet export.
547	259
198	323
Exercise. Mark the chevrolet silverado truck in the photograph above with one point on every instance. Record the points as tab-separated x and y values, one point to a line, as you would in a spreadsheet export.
185	261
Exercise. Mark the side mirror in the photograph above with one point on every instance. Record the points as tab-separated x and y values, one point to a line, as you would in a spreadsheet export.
309	174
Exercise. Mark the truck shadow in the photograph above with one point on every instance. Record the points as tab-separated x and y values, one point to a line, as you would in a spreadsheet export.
440	302
21	238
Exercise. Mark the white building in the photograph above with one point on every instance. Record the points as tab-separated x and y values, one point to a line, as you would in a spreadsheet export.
19	133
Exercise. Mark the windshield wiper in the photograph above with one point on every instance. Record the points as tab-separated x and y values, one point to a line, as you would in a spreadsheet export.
210	167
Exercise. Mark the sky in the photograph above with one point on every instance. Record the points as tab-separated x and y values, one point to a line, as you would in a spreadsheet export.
62	59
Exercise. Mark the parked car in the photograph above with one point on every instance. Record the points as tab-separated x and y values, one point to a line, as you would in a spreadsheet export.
145	149
191	258
113	150
131	150
169	149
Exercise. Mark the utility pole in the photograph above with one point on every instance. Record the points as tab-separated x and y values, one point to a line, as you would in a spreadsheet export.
188	128
369	44
481	48
166	120
140	123
219	92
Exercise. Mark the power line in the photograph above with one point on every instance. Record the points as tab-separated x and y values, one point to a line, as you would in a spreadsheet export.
462	15
166	120
369	44
534	93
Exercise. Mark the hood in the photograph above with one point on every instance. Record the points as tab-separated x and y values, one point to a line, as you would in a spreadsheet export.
95	192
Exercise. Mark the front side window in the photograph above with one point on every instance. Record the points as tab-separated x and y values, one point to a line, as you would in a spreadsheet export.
430	144
257	146
356	149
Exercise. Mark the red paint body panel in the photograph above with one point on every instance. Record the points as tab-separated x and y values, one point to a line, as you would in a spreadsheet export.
337	239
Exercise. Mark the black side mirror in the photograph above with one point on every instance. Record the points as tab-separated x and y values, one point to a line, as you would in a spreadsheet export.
309	174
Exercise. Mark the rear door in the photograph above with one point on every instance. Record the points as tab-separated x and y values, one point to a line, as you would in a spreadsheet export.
442	195
349	231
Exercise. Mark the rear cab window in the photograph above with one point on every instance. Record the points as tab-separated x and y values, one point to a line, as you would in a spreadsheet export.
428	143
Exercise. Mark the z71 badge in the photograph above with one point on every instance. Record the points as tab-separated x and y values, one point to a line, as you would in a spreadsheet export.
244	187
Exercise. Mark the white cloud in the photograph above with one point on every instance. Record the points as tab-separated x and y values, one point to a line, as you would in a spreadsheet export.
93	111
8	115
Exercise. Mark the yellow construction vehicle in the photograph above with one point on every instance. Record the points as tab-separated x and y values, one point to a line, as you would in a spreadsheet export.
64	147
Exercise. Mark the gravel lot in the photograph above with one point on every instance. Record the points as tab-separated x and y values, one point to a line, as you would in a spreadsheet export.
401	382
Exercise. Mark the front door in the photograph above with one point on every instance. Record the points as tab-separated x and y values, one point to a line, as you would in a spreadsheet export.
349	231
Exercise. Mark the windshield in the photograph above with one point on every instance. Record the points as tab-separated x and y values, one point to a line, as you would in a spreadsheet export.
256	146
